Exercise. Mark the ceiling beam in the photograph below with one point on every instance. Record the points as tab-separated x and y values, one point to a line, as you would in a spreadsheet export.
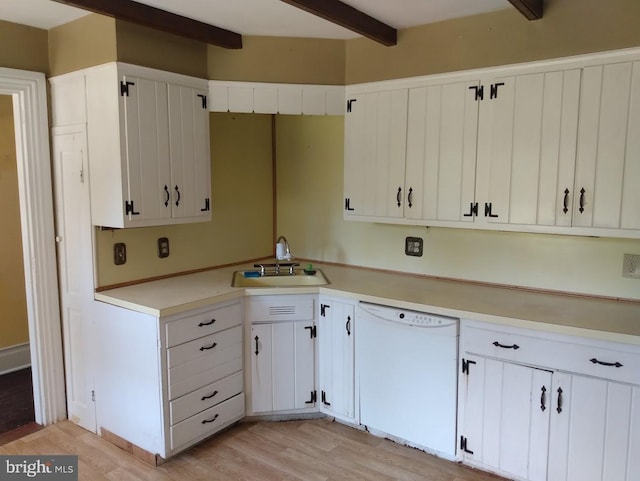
532	9
348	17
160	20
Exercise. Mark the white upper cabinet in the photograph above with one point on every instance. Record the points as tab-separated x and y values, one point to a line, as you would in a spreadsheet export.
528	148
148	136
608	157
549	147
441	151
375	146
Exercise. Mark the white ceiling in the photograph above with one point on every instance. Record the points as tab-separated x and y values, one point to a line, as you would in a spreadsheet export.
265	17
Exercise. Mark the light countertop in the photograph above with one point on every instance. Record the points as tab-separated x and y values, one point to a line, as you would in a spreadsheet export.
596	318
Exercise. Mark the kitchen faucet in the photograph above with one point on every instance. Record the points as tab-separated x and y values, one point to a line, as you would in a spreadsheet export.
282	252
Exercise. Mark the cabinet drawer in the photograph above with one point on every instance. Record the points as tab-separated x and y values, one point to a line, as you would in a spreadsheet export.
614	361
205	397
281	308
204	347
186	378
203	324
207	422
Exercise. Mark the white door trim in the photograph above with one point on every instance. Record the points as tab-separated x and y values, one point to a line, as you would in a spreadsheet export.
28	90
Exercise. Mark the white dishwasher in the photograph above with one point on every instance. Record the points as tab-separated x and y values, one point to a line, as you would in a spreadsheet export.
407	363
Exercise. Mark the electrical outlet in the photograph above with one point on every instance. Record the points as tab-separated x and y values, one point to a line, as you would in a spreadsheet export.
631	266
119	253
413	246
163	247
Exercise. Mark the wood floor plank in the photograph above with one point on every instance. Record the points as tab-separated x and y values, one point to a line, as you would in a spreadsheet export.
309	450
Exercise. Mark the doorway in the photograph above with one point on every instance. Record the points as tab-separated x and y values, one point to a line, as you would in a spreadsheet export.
28	93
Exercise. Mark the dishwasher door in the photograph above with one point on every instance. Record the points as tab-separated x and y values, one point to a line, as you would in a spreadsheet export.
408	377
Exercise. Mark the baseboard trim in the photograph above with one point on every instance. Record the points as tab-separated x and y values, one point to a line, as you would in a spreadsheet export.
14	358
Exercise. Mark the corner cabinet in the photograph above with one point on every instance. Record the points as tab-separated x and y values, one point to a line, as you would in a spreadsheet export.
165	383
148	141
538	406
281	353
542	147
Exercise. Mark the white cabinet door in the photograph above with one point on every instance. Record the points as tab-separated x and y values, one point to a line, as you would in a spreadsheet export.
282	366
189	186
608	155
506	418
441	152
146	149
595	430
375	149
336	327
529	143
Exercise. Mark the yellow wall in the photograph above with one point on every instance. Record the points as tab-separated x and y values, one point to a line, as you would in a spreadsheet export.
13	304
23	47
242	205
569	27
280	60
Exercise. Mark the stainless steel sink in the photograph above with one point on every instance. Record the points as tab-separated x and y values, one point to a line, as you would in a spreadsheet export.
284	279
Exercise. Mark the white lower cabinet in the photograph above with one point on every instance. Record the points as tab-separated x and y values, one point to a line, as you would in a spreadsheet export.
166	383
595	430
336	327
540	406
281	352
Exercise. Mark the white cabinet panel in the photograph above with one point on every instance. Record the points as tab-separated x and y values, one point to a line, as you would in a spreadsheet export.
240	99
441	152
265	100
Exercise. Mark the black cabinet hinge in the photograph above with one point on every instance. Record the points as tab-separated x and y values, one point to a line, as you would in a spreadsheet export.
312	331
313	398
494	90
473	210
347	204
465	365
207	206
124	88
204	101
324	399
463	445
487	210
350	104
479	91
323	309
129	209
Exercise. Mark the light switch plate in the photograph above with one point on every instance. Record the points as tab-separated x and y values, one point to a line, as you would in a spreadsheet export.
119	253
631	266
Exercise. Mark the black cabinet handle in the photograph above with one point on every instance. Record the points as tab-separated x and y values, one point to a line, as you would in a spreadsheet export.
398	196
504	346
210	420
565	202
178	199
209	347
559	408
543	398
166	191
257	339
347	326
582	202
473	210
202	324
410	197
602	363
204	398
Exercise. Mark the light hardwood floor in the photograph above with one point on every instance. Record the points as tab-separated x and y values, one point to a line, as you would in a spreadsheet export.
314	450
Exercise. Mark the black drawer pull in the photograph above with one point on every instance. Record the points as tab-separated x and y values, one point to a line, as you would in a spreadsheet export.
204	398
602	363
210	420
543	398
209	347
559	408
202	324
504	346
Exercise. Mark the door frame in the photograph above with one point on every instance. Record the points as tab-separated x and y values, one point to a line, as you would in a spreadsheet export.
28	91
